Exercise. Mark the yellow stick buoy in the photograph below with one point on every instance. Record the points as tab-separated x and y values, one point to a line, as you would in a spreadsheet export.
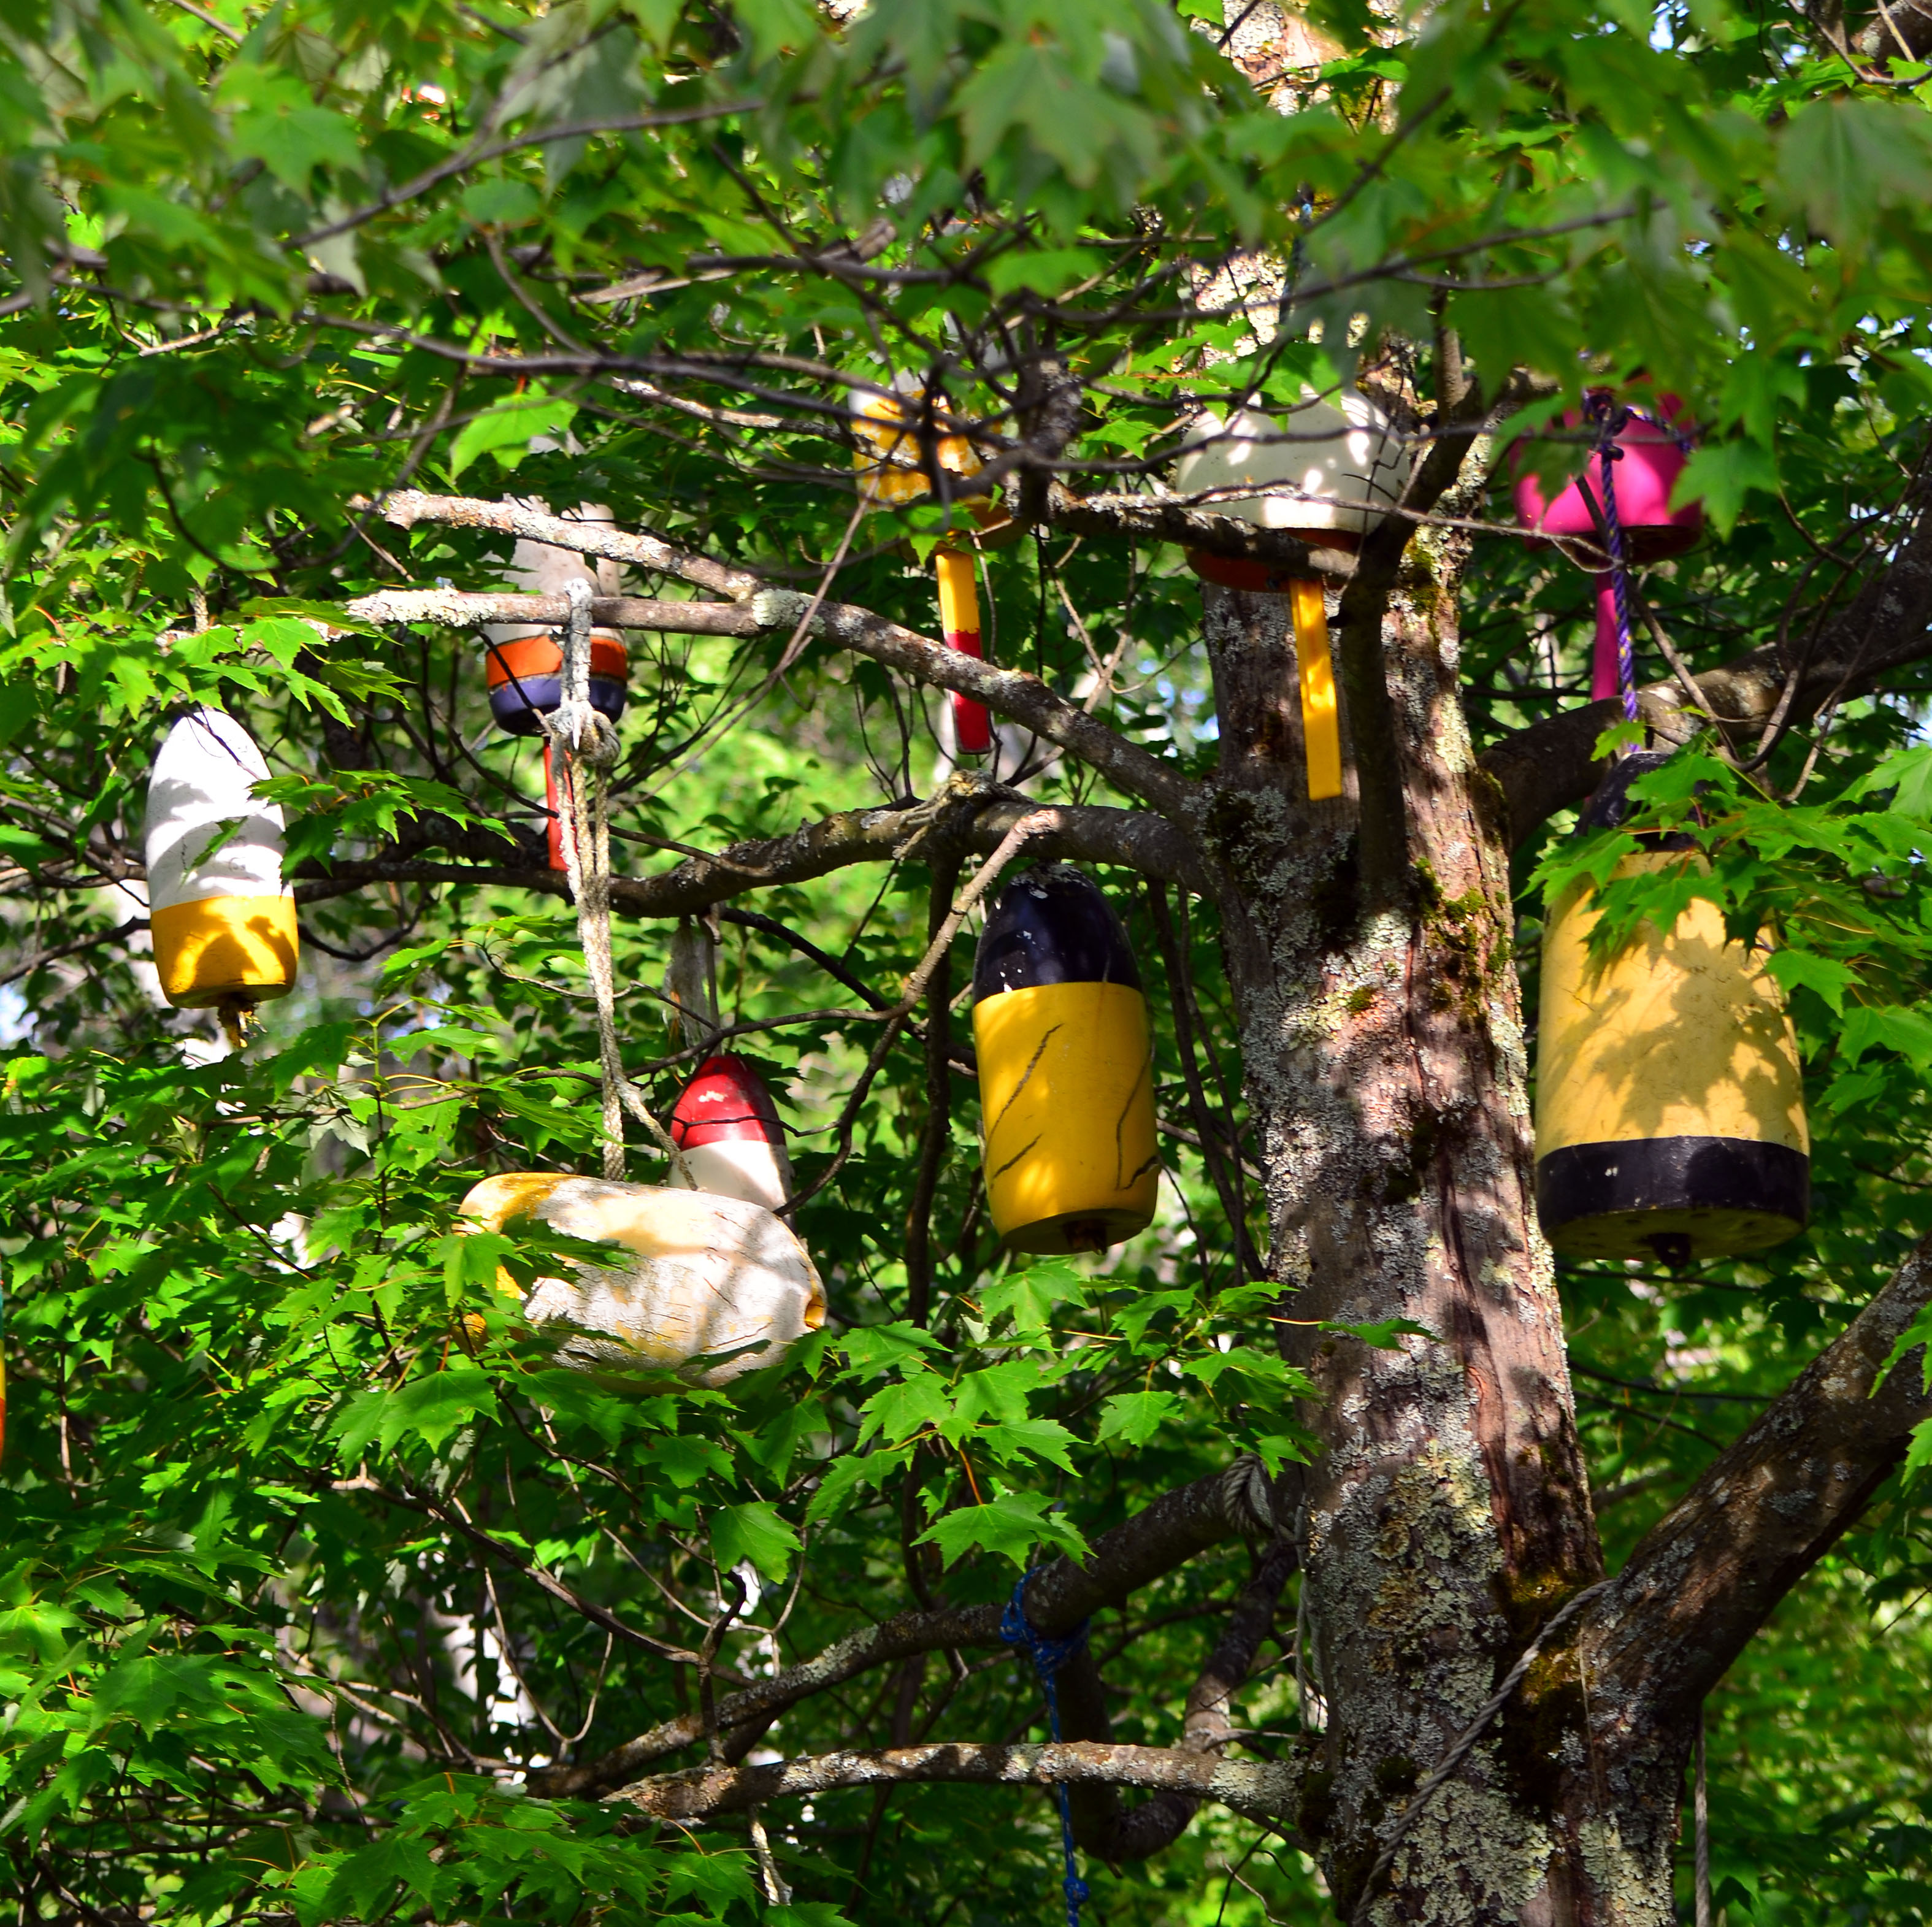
1065	1069
1321	726
1670	1106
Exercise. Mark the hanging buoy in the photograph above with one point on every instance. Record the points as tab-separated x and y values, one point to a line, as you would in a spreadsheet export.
1638	480
1669	1108
526	678
891	474
1345	466
702	1277
1065	1069
524	667
728	1127
223	926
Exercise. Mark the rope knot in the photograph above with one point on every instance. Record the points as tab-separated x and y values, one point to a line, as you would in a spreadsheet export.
1247	1498
1048	1654
587	735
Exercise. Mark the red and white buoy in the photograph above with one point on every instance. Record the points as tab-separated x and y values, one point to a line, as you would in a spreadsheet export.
727	1128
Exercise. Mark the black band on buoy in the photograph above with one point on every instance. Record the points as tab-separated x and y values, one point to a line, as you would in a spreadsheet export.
1673	1174
1052	926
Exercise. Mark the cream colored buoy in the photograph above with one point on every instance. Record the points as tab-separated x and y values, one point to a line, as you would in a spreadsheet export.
1333	470
1670	1108
702	1277
222	925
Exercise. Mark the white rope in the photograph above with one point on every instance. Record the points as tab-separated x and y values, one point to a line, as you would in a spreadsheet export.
585	749
1701	1815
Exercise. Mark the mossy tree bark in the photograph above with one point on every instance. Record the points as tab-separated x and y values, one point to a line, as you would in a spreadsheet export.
1383	1049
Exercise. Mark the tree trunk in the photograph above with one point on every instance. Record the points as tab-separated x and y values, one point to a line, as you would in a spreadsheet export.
1384	1057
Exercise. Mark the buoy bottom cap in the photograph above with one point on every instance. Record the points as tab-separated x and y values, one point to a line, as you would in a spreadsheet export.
1675	1199
1077	1230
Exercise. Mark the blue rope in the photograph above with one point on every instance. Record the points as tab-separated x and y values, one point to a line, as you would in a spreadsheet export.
1048	1656
1612	420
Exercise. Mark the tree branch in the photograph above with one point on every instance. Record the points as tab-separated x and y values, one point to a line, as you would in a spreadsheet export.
1085	834
1101	1825
1157	518
1015	693
1177	1527
404	508
1711	1572
1260	1790
458	608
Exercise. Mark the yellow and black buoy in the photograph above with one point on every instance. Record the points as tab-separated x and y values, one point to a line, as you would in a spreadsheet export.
1670	1108
1066	1069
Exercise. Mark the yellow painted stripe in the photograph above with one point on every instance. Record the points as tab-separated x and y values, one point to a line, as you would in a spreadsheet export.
958	595
1320	724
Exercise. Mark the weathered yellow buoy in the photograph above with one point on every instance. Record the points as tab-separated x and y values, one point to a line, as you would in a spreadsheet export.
1065	1069
1669	1108
223	927
703	1278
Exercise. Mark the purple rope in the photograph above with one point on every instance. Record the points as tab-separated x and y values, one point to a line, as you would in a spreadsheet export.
1612	420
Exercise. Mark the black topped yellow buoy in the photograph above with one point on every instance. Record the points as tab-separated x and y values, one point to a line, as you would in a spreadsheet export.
1669	1109
1066	1069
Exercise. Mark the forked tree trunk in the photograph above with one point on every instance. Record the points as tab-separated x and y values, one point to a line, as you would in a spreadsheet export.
1449	1515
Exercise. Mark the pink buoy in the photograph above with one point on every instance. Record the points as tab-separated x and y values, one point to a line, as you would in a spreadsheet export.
728	1127
1650	459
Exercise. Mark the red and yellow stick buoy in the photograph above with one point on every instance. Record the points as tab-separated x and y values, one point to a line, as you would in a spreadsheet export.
890	476
958	570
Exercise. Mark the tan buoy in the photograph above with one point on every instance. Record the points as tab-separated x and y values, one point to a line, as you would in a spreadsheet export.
1669	1108
1065	1069
1333	469
696	1278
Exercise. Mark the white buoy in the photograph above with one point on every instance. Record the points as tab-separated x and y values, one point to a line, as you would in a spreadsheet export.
1336	465
223	926
697	1277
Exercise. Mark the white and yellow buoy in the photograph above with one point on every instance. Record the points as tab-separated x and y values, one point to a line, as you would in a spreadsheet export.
1065	1069
1333	469
222	925
702	1279
1669	1107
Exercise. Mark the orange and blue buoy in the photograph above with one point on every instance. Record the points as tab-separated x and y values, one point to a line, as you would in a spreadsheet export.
525	678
